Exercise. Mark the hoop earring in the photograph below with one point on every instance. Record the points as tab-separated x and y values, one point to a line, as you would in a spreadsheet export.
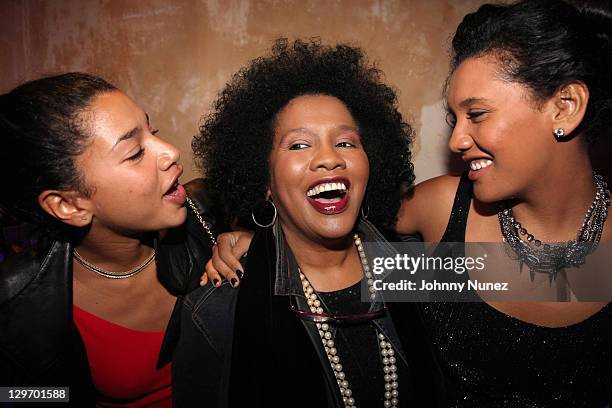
366	214
273	218
559	133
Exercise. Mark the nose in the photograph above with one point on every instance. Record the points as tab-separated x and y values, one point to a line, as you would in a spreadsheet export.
168	155
327	157
460	141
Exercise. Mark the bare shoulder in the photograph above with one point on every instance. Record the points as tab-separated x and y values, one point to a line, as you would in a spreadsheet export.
427	207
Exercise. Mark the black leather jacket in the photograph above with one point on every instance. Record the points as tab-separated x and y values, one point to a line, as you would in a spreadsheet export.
243	347
39	342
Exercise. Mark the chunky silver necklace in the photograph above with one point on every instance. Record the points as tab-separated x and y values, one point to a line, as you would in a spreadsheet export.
113	275
386	349
551	258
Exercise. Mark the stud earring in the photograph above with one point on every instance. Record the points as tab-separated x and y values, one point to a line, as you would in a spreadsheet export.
559	133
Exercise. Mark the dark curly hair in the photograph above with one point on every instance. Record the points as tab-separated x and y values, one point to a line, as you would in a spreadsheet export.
235	140
545	44
41	132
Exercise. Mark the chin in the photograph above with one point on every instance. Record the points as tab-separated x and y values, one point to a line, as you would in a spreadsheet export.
176	219
487	195
336	232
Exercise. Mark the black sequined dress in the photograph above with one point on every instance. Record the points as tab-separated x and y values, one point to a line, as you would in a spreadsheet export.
491	359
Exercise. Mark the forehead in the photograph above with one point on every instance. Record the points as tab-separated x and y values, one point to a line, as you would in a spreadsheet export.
478	78
315	110
114	113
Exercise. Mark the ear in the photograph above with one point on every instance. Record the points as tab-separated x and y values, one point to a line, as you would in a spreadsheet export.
69	207
570	103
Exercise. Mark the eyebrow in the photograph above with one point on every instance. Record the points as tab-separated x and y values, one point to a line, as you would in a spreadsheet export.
127	135
306	130
298	130
130	134
471	101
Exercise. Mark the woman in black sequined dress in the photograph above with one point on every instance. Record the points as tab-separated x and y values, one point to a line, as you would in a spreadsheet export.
519	73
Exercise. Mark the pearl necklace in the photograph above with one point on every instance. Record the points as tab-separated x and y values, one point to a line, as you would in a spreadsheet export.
386	349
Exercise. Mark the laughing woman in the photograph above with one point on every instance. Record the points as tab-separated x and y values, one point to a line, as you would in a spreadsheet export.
87	307
529	93
300	143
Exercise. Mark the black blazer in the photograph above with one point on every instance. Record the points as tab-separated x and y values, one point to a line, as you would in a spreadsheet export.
242	347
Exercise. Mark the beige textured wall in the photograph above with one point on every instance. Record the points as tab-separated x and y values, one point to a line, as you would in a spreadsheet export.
174	56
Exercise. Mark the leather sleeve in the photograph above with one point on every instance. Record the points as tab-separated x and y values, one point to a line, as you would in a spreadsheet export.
202	358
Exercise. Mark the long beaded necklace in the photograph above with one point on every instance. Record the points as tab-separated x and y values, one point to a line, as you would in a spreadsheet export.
551	258
386	349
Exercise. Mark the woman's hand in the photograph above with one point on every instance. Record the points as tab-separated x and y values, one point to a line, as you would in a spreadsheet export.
225	261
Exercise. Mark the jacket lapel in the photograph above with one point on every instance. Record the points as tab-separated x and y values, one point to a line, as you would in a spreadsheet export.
273	359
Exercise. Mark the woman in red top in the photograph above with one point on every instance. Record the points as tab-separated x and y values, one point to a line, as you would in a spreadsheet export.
81	160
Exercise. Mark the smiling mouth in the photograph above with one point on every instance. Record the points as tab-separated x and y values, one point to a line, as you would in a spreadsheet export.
329	198
479	164
327	192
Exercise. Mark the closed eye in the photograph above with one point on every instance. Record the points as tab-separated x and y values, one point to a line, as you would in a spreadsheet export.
137	156
475	116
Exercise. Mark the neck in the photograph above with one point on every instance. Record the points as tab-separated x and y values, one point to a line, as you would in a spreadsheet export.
113	251
553	208
328	264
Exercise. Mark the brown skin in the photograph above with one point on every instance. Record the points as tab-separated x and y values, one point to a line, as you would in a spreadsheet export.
550	183
127	187
315	138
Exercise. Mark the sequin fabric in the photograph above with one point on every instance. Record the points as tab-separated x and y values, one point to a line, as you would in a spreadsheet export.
490	359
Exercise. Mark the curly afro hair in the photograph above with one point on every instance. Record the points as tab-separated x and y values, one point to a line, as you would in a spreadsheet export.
235	141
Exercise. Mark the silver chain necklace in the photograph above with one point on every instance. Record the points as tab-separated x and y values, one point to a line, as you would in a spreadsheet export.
551	258
110	274
387	353
127	274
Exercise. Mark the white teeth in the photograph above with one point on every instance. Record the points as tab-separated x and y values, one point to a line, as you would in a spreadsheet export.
480	164
326	187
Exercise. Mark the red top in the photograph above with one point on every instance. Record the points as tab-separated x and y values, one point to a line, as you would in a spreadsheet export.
122	363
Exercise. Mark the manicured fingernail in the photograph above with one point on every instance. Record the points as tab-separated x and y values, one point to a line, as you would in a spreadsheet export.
202	283
234	282
239	273
216	282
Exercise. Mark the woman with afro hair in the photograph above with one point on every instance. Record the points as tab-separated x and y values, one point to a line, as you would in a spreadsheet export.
305	146
529	96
